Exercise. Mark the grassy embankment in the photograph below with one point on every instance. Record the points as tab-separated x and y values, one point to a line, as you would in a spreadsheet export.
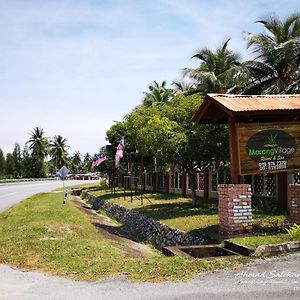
177	212
41	234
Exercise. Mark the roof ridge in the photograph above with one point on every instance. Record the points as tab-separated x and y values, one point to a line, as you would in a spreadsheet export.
212	95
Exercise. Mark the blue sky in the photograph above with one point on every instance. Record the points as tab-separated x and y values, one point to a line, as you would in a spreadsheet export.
72	67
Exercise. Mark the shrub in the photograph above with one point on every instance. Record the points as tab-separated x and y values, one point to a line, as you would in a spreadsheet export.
103	184
294	232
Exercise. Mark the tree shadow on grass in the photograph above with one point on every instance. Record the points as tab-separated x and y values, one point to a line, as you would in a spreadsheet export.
166	211
270	222
111	195
91	189
210	233
172	210
270	229
163	211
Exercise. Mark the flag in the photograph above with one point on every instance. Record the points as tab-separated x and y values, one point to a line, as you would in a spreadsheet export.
119	153
122	142
100	160
120	150
94	162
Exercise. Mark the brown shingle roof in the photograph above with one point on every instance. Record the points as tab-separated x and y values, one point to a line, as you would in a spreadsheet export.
257	102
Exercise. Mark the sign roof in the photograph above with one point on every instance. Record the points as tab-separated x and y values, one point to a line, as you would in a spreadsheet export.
216	108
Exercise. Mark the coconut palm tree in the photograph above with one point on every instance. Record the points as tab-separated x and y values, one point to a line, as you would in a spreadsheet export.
275	67
158	93
181	87
86	164
58	151
38	143
76	161
218	72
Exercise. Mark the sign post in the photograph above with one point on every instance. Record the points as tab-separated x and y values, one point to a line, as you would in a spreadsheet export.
64	171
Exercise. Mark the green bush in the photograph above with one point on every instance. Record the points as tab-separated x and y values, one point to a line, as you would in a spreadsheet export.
294	232
103	184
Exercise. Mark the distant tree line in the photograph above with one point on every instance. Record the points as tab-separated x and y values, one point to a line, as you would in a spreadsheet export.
42	157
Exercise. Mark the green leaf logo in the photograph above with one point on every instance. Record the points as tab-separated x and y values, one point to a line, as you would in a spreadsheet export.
271	140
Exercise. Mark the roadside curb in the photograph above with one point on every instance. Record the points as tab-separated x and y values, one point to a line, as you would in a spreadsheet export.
264	250
277	249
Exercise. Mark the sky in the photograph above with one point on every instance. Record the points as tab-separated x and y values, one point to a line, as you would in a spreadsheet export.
75	67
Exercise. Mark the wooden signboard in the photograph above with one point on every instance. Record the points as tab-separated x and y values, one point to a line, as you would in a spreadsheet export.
268	147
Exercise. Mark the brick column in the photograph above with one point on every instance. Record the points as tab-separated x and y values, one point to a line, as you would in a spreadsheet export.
235	208
294	203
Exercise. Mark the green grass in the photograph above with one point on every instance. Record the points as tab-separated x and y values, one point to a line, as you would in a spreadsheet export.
268	229
41	234
258	240
173	210
40	231
177	212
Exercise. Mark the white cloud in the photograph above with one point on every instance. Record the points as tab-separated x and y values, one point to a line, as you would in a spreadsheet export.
217	20
72	67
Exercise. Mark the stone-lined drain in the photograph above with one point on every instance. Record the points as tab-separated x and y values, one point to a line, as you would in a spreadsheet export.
202	251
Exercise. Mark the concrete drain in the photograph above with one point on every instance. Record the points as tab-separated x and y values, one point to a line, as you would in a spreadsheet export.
202	251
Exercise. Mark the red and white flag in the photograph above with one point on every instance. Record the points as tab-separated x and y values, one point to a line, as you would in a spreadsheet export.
119	153
100	160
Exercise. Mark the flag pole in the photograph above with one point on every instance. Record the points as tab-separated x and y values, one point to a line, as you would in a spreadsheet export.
65	196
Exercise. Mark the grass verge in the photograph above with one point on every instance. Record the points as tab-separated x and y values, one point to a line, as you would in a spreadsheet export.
41	234
177	212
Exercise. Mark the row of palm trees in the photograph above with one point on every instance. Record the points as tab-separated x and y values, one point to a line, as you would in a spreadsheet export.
42	156
274	69
41	146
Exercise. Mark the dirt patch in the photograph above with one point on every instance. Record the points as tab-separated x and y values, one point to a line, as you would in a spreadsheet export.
119	238
46	238
63	228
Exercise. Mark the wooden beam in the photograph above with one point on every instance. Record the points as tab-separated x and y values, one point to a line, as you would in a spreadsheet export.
207	111
234	166
201	111
218	114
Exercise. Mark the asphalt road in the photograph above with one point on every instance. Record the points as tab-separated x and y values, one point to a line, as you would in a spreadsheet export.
12	193
277	278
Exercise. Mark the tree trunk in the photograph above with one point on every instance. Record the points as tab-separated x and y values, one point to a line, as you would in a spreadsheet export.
136	182
192	181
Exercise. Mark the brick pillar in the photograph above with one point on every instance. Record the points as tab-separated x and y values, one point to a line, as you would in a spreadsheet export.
235	209
294	203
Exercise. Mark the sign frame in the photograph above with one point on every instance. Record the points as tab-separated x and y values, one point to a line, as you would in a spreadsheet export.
242	129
